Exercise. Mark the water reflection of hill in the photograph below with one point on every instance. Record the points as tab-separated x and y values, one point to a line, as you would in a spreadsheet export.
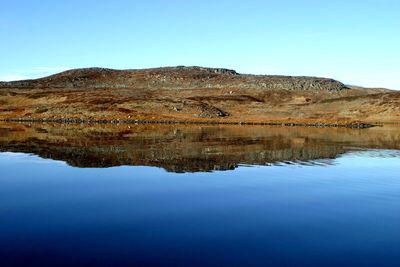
190	148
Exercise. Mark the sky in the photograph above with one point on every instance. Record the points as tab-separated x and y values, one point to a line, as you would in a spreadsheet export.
354	41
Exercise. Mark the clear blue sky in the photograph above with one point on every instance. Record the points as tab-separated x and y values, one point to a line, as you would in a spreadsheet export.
355	41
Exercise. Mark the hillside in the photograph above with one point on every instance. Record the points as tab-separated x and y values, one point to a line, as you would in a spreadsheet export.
193	94
174	78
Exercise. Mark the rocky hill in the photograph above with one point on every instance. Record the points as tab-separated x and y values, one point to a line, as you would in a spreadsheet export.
175	78
193	94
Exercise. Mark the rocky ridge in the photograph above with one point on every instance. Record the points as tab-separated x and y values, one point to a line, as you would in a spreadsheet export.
175	78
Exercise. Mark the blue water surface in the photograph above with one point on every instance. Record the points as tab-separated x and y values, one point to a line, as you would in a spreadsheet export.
343	214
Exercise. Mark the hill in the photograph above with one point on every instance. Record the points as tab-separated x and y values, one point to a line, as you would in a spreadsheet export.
193	94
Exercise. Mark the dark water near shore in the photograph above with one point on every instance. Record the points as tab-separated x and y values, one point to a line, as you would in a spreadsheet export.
74	195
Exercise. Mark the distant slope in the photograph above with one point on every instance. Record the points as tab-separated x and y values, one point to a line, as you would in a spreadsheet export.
194	94
370	89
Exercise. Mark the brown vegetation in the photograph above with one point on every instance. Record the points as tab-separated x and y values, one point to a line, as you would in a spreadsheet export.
194	94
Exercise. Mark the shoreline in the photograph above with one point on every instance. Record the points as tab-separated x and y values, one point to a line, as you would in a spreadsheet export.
356	125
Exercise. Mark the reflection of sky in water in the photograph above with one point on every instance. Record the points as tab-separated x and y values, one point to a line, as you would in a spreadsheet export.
346	213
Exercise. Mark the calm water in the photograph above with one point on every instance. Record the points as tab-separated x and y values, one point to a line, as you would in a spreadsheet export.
198	196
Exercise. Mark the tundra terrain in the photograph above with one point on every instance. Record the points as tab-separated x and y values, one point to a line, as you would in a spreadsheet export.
194	94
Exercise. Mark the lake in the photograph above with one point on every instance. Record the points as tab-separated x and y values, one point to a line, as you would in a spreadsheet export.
175	195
